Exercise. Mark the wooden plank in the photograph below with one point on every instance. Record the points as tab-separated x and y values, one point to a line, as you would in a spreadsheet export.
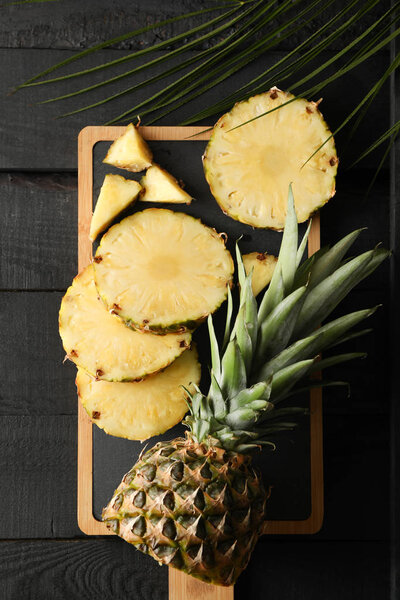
307	570
38	477
38	231
33	379
181	587
84	569
77	25
357	477
38	141
104	568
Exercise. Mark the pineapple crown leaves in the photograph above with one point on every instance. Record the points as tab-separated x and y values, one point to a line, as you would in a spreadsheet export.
268	350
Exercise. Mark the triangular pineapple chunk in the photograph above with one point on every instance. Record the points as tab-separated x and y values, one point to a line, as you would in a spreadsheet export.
161	186
130	151
115	195
263	266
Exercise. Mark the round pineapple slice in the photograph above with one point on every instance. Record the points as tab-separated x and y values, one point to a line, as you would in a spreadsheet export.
139	410
100	343
249	169
162	270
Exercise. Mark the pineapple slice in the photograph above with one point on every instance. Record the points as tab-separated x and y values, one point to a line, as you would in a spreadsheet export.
161	186
162	270
139	410
129	151
99	341
249	168
115	195
263	266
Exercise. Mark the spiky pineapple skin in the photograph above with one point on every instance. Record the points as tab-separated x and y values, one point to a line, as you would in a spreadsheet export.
191	506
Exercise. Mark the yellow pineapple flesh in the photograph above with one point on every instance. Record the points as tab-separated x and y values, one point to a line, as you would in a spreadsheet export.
100	343
262	266
162	270
130	151
161	186
249	168
139	410
116	194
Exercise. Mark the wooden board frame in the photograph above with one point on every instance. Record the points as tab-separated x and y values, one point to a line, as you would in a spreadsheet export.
181	587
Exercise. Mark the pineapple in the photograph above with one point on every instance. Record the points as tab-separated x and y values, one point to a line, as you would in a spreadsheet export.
100	343
138	410
161	186
249	168
196	503
162	270
115	195
130	151
262	266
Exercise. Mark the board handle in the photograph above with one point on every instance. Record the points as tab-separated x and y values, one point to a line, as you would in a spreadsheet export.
185	587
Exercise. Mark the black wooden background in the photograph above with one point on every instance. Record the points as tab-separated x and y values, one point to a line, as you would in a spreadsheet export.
42	552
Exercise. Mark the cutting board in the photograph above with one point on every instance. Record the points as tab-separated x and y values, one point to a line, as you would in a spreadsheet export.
294	514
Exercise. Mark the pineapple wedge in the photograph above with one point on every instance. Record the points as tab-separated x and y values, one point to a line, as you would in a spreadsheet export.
115	195
139	410
263	266
129	151
249	167
100	343
162	270
161	186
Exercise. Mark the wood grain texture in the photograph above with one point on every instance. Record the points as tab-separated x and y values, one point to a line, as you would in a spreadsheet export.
45	207
38	141
75	25
95	569
33	379
182	587
38	477
79	570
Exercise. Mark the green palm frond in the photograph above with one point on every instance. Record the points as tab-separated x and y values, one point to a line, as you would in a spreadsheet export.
241	32
273	348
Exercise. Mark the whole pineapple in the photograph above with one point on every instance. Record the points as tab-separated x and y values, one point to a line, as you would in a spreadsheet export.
196	503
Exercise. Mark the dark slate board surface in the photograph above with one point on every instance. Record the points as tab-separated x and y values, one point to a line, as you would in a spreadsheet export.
38	399
288	470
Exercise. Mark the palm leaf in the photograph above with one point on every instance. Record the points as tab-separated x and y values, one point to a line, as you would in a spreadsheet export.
227	56
111	42
191	80
142	52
